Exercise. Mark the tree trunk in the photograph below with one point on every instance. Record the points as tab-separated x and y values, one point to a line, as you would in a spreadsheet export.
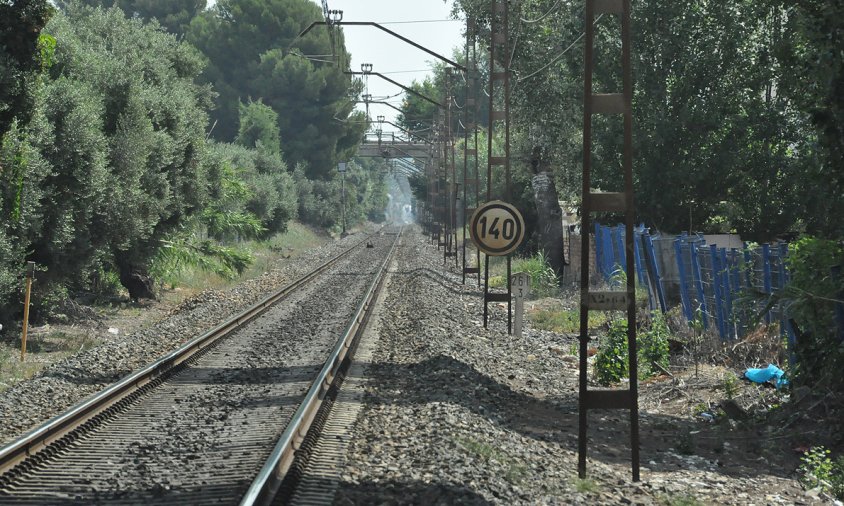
550	220
137	280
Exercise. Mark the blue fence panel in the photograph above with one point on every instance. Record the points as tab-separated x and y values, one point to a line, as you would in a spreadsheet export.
684	281
724	284
653	267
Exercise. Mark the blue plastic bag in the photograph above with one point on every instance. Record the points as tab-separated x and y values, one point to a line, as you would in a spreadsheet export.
767	374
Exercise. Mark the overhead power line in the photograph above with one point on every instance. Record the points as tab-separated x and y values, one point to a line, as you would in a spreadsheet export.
420	21
559	56
542	17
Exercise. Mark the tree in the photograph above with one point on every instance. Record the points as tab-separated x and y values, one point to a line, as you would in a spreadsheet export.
258	126
173	15
254	52
21	22
809	50
711	133
121	133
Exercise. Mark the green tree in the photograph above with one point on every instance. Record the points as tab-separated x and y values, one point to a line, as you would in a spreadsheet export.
258	126
812	67
121	128
711	132
253	51
173	15
21	22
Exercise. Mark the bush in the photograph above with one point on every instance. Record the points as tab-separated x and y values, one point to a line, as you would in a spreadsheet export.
611	362
818	470
543	280
810	299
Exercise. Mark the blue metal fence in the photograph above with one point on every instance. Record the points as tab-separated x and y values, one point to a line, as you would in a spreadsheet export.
725	288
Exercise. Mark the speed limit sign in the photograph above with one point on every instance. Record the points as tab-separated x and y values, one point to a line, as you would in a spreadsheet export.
497	228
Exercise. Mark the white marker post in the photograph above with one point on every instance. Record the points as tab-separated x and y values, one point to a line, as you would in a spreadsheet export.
520	286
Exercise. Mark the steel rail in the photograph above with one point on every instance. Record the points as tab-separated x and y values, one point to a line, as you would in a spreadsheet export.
267	483
54	429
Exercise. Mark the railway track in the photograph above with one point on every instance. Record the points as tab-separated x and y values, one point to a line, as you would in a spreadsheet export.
217	421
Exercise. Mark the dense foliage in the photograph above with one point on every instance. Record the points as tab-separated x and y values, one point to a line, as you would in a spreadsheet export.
737	109
174	15
817	282
20	57
253	53
106	170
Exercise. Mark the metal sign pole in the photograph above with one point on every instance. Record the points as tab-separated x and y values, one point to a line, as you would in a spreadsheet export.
470	114
30	273
611	103
499	77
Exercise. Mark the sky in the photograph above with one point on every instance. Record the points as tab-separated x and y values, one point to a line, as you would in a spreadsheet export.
390	56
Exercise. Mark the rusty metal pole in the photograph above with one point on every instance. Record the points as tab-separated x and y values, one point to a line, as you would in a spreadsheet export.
618	202
499	77
30	272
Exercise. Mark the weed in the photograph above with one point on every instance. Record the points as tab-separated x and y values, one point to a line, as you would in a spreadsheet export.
653	346
611	363
543	280
611	360
730	386
586	485
818	470
564	321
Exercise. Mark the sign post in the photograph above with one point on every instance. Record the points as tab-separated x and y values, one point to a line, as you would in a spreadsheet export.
497	228
520	285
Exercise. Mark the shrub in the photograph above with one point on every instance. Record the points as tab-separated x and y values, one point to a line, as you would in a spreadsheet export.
611	362
543	280
818	470
810	300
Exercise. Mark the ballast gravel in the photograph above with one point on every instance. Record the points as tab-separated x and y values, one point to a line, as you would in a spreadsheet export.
458	414
63	384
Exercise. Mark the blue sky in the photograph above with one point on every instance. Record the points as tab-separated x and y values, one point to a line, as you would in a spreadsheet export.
399	61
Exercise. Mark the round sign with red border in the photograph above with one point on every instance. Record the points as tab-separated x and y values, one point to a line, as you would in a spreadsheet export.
497	228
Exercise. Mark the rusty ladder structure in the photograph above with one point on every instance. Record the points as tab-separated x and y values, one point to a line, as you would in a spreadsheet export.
617	104
470	135
451	185
499	78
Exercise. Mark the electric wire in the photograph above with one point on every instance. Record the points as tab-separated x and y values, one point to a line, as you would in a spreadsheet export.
542	17
558	57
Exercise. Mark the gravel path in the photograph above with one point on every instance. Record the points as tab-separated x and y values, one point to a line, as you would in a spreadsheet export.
65	383
457	414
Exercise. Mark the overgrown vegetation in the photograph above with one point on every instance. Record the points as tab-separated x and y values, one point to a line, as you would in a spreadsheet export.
816	286
612	359
106	168
819	470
